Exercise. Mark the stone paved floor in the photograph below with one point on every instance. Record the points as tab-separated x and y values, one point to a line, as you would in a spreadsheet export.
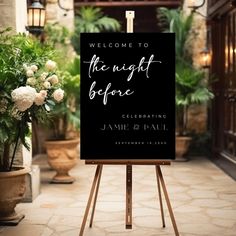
202	196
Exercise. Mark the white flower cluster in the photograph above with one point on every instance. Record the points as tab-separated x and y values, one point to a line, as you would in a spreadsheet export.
23	97
40	86
58	95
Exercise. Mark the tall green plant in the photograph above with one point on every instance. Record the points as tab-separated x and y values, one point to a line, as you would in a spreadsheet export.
66	115
181	25
191	86
92	20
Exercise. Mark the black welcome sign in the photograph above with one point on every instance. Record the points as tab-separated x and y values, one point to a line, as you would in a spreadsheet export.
127	96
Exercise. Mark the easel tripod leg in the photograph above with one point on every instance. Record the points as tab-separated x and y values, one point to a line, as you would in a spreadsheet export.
128	196
90	199
160	198
167	200
95	197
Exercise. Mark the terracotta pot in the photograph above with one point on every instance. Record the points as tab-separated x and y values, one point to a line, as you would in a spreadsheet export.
62	157
182	145
12	189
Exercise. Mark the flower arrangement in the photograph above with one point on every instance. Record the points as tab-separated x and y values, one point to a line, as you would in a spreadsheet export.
29	90
41	87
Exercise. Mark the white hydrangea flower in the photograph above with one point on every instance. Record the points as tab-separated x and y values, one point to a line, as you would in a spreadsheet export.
58	95
47	84
34	68
31	81
29	73
25	67
23	97
39	99
43	76
54	79
50	65
44	93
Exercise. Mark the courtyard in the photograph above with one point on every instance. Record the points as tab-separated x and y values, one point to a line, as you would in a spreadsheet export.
203	198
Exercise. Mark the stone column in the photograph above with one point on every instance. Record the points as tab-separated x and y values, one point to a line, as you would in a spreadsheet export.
56	14
13	14
197	115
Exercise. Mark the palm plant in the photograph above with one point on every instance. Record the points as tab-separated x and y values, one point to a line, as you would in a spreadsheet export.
92	20
174	21
191	86
66	115
190	89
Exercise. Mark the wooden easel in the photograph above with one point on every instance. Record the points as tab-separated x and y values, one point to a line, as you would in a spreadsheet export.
96	184
97	177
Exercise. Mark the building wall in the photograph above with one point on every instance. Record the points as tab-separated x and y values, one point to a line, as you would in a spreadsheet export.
197	115
13	14
55	14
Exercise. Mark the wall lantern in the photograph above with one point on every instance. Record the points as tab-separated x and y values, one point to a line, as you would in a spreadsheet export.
36	18
233	3
195	7
205	58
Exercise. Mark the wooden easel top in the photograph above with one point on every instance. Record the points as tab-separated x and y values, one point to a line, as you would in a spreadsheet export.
128	162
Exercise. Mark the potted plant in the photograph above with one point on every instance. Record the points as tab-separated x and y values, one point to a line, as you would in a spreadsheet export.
191	85
29	89
191	88
62	145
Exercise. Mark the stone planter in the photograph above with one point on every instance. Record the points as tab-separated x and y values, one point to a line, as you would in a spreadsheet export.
182	145
12	189
62	157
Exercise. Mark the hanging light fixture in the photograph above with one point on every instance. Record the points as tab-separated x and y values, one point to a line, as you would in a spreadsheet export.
36	18
62	7
233	3
205	58
195	7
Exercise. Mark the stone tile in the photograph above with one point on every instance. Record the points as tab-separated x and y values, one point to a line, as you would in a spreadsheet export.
37	216
188	209
191	217
94	231
202	193
24	230
145	211
201	229
70	221
58	229
65	211
108	224
222	214
110	206
72	232
228	196
47	232
223	223
118	229
211	203
148	221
